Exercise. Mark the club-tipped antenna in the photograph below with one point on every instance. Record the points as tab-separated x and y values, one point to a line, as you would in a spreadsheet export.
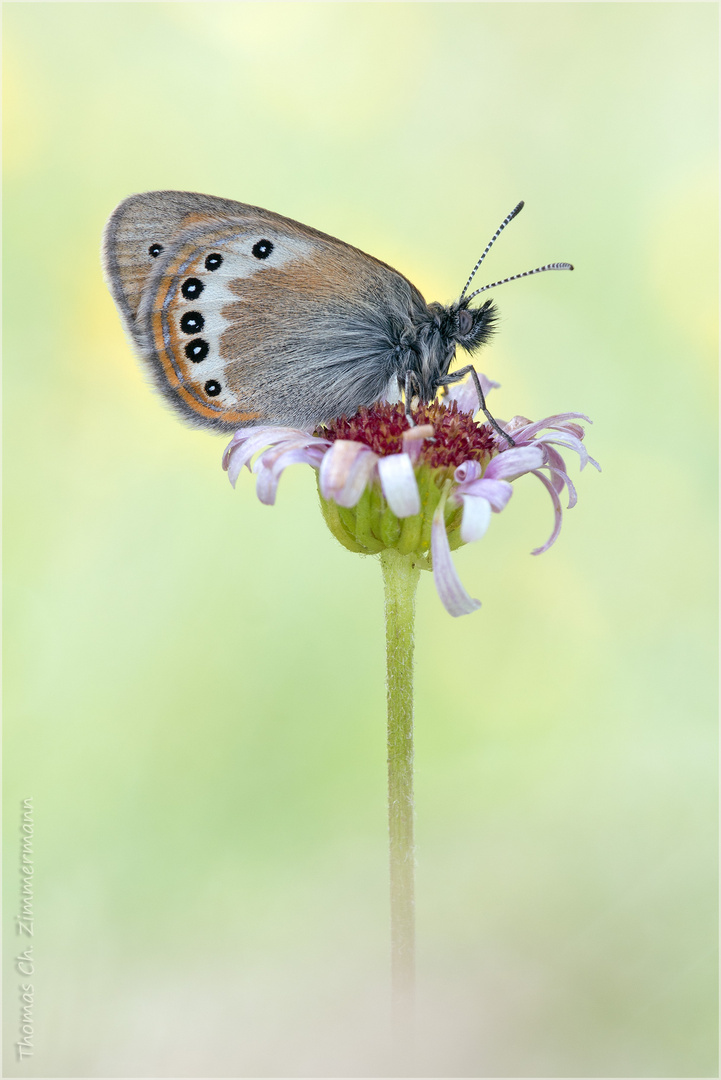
526	273
491	242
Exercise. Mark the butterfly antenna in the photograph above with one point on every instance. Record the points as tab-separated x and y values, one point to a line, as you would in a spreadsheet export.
526	273
491	242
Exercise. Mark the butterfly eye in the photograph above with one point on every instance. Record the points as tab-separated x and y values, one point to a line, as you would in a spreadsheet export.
465	321
192	322
155	250
213	261
262	249
192	288
197	350
212	388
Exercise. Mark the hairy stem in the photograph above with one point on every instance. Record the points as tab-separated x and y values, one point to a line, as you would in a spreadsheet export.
400	578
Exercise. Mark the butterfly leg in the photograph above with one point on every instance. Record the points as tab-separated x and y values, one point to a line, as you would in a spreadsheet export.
470	370
410	378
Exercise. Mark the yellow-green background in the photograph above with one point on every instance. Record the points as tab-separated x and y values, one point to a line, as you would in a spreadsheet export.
195	693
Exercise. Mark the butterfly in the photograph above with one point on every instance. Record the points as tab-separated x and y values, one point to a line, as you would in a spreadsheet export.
243	317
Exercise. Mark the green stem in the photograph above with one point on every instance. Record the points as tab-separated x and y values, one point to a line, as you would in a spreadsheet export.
400	577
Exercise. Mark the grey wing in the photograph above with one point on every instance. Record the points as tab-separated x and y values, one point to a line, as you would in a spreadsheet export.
295	331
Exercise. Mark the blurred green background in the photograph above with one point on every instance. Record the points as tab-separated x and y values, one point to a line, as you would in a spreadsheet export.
194	682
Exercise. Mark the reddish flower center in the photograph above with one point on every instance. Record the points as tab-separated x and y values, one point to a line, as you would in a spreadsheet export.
457	437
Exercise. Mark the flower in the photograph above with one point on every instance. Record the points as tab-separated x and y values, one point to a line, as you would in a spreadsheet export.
423	490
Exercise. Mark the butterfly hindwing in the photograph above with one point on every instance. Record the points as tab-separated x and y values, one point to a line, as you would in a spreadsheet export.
151	220
208	332
246	317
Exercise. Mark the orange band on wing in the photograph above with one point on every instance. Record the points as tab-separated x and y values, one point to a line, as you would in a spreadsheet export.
184	392
165	334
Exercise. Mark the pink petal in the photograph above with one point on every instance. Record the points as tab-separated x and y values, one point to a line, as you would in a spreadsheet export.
413	440
464	393
558	513
556	464
514	462
516	424
266	485
227	452
345	471
272	441
559	477
453	596
264	435
553	421
233	462
476	517
567	440
495	492
238	439
469	470
270	469
465	396
239	454
573	429
399	484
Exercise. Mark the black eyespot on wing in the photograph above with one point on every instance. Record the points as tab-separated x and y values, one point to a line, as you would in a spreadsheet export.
192	288
212	388
213	261
197	350
192	322
155	250
262	249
